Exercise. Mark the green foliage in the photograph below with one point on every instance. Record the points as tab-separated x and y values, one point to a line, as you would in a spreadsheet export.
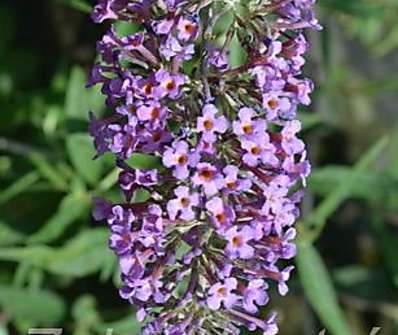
318	288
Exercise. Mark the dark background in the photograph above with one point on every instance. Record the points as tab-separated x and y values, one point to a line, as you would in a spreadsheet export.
56	270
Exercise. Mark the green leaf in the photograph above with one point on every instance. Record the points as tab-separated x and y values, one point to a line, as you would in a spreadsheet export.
354	7
80	100
126	28
144	162
126	326
9	236
55	177
319	289
20	186
237	55
80	5
71	208
83	255
316	220
81	153
36	307
384	186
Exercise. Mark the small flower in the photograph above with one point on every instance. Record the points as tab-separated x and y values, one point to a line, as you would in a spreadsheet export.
222	215
255	294
208	177
246	126
163	27
221	293
209	124
290	143
259	150
120	216
173	48
276	105
187	29
152	111
169	84
180	158
121	239
233	183
183	204
237	242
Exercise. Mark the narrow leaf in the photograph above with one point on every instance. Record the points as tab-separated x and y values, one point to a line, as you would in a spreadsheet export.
144	161
71	208
20	186
319	289
81	153
39	307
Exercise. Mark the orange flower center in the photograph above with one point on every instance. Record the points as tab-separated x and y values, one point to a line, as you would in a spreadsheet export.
170	85
273	104
222	291
208	124
207	174
221	217
185	202
189	28
155	113
237	241
156	136
232	185
148	88
248	129
255	150
182	159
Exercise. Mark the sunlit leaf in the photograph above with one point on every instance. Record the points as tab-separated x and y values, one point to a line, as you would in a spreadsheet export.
144	161
71	208
38	307
319	289
81	152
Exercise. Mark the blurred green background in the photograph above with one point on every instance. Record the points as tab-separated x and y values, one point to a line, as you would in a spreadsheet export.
55	268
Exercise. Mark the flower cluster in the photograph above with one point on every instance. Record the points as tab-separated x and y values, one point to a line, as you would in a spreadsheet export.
198	255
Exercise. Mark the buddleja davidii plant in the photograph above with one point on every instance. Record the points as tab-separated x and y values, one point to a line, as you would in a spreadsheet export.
197	256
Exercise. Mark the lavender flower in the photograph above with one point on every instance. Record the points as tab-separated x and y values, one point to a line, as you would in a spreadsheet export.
199	255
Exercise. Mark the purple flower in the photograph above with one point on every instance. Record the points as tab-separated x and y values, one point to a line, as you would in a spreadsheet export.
154	139
124	140
274	196
259	150
169	84
222	215
221	294
255	294
132	265
290	143
219	59
233	183
248	127
187	29
121	239
173	48
107	9
163	27
180	159
182	205
238	242
219	223
152	111
120	216
276	105
208	177
209	124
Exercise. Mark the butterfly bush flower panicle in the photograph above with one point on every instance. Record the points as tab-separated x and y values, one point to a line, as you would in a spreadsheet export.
200	250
